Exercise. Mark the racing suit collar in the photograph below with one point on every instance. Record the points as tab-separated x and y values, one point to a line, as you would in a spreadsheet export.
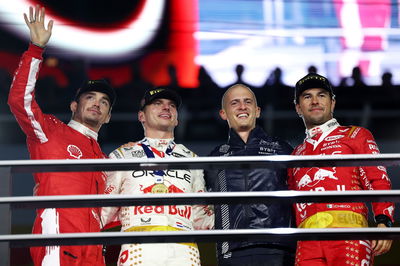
83	129
159	144
324	128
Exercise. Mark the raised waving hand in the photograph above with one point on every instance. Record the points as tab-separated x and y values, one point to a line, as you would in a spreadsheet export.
39	34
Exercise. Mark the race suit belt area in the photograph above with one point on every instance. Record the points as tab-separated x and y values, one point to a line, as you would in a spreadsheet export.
332	219
149	228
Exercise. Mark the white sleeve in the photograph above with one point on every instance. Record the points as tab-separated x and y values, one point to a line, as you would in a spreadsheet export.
109	215
203	215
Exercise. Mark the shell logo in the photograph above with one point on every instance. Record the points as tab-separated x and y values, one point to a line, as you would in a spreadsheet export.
74	151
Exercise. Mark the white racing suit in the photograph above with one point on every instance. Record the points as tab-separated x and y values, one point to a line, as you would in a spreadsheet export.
157	218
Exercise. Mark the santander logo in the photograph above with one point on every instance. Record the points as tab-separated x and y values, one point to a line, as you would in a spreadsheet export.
332	138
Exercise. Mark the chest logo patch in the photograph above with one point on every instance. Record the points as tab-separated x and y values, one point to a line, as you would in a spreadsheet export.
74	151
138	154
224	148
332	138
316	175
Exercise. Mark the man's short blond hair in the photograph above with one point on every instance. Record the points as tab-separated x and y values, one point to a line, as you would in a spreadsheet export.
234	86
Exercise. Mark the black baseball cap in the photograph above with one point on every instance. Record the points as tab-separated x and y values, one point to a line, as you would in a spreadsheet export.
99	85
160	93
310	81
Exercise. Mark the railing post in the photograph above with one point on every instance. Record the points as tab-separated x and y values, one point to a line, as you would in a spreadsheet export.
5	214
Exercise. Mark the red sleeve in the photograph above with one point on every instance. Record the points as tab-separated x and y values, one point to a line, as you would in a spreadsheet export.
372	177
21	98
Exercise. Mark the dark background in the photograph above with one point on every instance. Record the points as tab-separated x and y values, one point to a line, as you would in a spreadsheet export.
359	102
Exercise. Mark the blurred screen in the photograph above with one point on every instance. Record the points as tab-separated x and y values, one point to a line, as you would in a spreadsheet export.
334	36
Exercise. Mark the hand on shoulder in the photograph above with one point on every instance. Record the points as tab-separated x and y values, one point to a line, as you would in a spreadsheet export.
127	145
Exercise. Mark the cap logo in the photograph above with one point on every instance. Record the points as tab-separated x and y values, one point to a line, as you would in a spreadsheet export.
312	77
155	91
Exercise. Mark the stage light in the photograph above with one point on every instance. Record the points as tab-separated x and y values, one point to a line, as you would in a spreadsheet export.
95	43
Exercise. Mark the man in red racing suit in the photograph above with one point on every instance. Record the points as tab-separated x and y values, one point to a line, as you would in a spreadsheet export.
49	138
315	104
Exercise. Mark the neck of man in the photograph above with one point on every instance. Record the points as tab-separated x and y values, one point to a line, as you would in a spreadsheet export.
95	129
95	126
244	134
312	124
159	134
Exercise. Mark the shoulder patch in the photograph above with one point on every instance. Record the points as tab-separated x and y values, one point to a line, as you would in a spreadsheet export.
182	151
116	154
353	131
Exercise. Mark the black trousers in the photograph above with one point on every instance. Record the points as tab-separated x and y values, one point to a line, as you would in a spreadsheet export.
258	256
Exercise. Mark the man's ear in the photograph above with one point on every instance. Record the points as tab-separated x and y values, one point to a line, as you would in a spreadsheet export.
108	118
333	105
222	114
73	106
141	116
298	110
258	112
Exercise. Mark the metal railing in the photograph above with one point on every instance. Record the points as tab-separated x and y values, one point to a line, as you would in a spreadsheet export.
7	168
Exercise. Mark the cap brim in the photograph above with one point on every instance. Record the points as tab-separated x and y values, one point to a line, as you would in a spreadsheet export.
165	94
98	87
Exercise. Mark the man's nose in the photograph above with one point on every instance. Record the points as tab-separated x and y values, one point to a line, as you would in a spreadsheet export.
165	106
314	100
242	105
97	102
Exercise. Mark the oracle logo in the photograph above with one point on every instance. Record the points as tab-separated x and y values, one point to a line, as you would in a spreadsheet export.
94	42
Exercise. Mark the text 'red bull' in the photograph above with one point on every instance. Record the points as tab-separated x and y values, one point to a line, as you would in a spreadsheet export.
182	211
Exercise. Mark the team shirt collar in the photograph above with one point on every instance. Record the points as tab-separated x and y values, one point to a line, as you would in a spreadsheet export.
83	129
160	144
328	126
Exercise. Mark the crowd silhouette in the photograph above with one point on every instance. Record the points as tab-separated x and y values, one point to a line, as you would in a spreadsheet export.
200	115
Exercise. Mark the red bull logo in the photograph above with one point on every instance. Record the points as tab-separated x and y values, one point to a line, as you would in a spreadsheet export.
314	176
182	211
389	211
